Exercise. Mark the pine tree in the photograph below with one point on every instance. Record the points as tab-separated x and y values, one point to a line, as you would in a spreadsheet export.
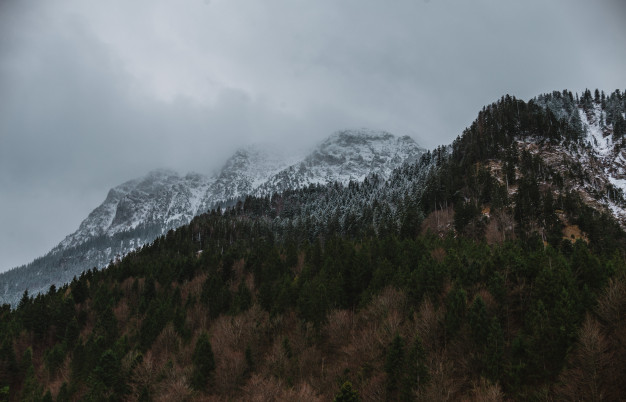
494	351
203	363
456	302
478	321
394	363
347	394
417	374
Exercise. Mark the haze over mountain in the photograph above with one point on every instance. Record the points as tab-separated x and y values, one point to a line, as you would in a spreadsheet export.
491	268
102	92
137	211
589	160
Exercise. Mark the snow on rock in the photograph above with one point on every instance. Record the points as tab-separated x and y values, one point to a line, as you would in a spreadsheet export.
137	211
601	143
601	157
349	155
166	200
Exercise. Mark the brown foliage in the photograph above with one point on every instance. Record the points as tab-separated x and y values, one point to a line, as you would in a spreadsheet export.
611	306
238	274
585	379
444	385
131	296
174	387
192	287
239	331
339	328
62	375
121	311
229	371
596	366
230	336
439	222
166	345
144	375
353	344
198	318
375	389
573	233
297	270
501	227
438	254
387	309
490	302
484	391
291	354
261	389
427	323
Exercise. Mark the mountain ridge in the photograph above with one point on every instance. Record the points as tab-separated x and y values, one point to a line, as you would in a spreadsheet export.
137	211
562	131
489	269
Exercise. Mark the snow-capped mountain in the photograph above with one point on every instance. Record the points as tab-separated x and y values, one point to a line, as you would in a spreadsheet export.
244	172
581	143
137	211
167	200
160	198
595	166
346	156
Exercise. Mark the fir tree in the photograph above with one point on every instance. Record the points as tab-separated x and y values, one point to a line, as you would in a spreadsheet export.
203	363
347	393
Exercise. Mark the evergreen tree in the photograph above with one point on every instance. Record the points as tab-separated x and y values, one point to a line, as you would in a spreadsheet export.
394	363
417	375
347	393
478	321
108	373
456	302
203	363
494	353
64	394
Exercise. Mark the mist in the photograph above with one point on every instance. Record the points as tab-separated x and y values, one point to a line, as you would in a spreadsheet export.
94	94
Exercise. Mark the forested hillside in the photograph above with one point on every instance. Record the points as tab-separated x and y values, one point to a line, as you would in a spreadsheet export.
481	272
138	211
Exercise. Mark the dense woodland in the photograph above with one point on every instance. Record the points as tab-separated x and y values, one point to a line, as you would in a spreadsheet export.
440	283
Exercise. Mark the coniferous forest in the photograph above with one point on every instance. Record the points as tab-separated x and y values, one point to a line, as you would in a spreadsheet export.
448	281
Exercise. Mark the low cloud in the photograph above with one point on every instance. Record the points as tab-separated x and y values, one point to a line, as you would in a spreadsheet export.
93	94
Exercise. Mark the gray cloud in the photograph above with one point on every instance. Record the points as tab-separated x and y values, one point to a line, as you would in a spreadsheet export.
95	93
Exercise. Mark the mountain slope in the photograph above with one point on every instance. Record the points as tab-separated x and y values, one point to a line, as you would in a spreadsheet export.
346	156
595	164
580	140
454	278
605	129
162	198
136	212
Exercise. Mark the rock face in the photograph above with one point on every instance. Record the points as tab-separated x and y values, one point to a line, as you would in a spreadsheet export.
345	156
585	153
164	199
137	211
160	198
596	166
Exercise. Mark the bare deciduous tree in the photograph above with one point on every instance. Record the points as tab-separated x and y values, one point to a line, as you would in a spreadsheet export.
584	379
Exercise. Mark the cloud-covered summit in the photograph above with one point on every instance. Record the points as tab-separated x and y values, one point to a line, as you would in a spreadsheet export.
94	92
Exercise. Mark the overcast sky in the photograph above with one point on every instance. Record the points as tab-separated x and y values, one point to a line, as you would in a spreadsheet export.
94	93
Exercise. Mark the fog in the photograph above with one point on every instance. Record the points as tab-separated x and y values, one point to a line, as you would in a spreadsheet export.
96	93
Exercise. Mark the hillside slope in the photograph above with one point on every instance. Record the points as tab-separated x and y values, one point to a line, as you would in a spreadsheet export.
136	212
455	278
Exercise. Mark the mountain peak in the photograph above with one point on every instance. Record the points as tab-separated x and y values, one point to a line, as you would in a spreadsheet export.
358	136
137	211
